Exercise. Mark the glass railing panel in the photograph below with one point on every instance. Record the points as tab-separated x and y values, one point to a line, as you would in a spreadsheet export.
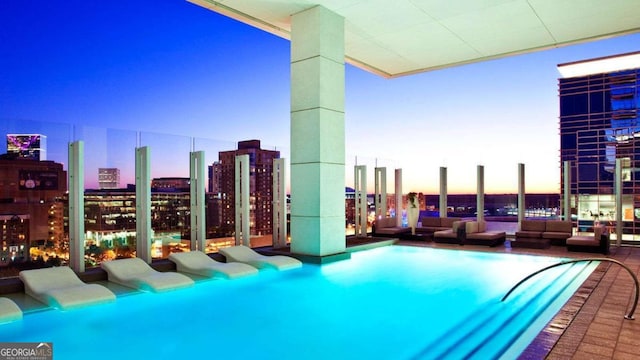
369	164
110	194
170	192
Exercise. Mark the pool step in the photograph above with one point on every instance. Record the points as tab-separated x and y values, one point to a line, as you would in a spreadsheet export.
478	336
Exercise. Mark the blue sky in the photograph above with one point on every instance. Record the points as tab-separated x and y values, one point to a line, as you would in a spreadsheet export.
173	67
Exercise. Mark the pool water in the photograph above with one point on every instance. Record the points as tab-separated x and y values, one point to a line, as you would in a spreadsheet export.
394	302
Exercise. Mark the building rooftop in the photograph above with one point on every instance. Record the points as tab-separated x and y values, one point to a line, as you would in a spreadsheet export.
600	65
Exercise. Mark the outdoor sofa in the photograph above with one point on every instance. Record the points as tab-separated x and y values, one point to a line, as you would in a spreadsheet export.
541	234
475	233
453	235
387	226
597	243
431	224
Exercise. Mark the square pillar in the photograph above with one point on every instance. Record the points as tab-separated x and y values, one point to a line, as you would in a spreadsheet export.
197	200
360	186
317	133
144	233
443	192
398	195
242	209
76	206
521	194
381	192
480	194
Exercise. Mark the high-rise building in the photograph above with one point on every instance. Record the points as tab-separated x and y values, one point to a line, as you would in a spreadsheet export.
260	188
28	146
600	123
31	205
109	178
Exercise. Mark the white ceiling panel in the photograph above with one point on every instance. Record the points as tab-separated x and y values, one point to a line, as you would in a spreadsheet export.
401	37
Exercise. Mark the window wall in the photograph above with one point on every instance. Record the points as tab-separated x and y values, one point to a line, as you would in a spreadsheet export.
599	124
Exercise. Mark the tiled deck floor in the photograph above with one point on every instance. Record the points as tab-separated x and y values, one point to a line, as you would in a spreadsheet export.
592	323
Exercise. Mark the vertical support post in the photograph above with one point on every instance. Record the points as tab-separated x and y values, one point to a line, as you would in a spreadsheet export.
480	194
144	236
443	192
380	200
76	206
567	190
618	196
242	200
197	201
360	176
521	194
279	233
317	132
398	197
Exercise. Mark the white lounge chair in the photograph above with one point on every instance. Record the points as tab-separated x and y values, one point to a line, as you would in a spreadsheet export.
199	263
9	311
60	287
137	274
246	255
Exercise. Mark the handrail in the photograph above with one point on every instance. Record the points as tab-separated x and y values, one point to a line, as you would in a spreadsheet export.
629	316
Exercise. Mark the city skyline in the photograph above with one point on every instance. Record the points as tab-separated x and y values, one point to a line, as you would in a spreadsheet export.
176	68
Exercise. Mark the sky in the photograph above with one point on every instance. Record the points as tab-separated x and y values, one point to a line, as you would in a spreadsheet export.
119	74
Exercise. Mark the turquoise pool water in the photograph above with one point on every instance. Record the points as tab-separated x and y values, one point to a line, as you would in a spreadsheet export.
394	302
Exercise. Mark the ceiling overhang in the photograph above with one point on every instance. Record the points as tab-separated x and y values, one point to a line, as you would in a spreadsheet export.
403	37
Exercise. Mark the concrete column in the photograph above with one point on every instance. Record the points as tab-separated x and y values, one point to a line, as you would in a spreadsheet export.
197	202
317	133
566	208
76	206
242	214
144	234
521	194
480	194
398	197
360	186
279	233
443	192
618	197
380	192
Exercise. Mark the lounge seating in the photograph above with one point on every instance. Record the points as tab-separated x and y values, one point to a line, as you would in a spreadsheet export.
9	311
542	233
452	235
137	274
61	288
431	224
246	255
476	234
387	226
199	263
597	243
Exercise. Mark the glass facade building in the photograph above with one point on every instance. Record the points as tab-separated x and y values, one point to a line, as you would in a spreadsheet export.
599	123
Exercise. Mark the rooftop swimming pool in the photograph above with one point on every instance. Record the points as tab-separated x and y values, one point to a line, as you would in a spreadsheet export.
394	302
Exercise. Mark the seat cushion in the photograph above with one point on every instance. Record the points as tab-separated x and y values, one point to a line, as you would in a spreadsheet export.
533	225
430	221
